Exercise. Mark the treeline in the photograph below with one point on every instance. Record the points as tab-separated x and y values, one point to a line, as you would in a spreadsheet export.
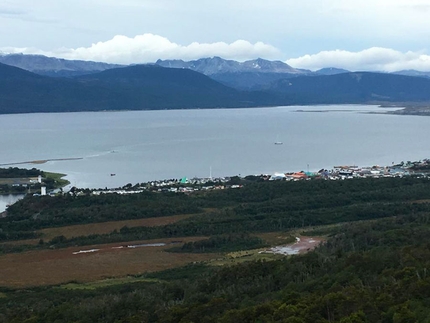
257	207
374	271
222	243
37	212
15	172
228	222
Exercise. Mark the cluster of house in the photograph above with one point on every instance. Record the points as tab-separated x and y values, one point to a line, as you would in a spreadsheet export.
186	185
183	185
344	172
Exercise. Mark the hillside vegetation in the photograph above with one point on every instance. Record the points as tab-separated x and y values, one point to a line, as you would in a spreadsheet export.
373	267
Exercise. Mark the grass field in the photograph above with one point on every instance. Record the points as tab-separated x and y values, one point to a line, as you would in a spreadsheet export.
114	263
52	267
11	181
58	178
107	282
278	238
107	227
98	228
272	239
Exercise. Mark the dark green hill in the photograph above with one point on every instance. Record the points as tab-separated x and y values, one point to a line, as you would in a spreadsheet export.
155	87
150	87
129	88
358	87
23	92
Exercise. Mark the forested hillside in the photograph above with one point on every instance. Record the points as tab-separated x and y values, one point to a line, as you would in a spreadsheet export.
366	272
140	87
257	207
151	87
373	266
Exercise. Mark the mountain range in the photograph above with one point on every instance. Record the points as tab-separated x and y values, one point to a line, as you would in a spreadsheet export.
205	83
140	87
51	66
217	65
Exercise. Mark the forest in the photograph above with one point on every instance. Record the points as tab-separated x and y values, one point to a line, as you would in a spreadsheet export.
15	172
373	266
257	207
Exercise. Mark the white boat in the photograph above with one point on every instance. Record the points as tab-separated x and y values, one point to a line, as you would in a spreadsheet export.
278	142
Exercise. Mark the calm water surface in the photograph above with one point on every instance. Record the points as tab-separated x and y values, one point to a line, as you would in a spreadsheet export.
9	199
139	146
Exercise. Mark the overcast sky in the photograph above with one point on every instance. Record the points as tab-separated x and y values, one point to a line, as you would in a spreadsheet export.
383	35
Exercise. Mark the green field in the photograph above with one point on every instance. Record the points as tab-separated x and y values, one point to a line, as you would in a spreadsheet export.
58	179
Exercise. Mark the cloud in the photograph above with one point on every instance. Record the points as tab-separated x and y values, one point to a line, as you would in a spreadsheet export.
11	12
148	48
371	59
418	7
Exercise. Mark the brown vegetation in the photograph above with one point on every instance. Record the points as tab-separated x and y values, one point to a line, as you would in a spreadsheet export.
50	267
107	227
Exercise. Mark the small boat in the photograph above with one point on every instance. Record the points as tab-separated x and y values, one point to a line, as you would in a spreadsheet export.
112	174
278	142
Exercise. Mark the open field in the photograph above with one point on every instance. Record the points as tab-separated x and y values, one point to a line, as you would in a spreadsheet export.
107	282
17	180
51	267
282	240
277	238
98	228
107	227
21	242
58	178
237	257
92	265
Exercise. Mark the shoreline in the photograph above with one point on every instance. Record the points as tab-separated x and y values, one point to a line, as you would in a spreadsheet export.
41	161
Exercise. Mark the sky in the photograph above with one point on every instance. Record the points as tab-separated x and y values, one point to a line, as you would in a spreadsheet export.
373	35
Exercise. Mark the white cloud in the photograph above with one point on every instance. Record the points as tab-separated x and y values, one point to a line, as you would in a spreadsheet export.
148	48
371	59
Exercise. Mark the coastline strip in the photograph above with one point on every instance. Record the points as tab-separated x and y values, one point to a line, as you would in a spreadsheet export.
41	161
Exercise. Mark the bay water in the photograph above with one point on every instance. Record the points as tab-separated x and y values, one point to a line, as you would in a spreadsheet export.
111	149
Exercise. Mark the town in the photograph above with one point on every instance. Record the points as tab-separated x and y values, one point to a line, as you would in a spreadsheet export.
184	185
37	186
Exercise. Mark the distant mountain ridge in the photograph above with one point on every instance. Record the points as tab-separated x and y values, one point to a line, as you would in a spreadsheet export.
217	65
51	66
413	73
353	87
331	71
250	75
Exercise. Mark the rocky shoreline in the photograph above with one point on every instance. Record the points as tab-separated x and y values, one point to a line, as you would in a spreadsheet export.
409	110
